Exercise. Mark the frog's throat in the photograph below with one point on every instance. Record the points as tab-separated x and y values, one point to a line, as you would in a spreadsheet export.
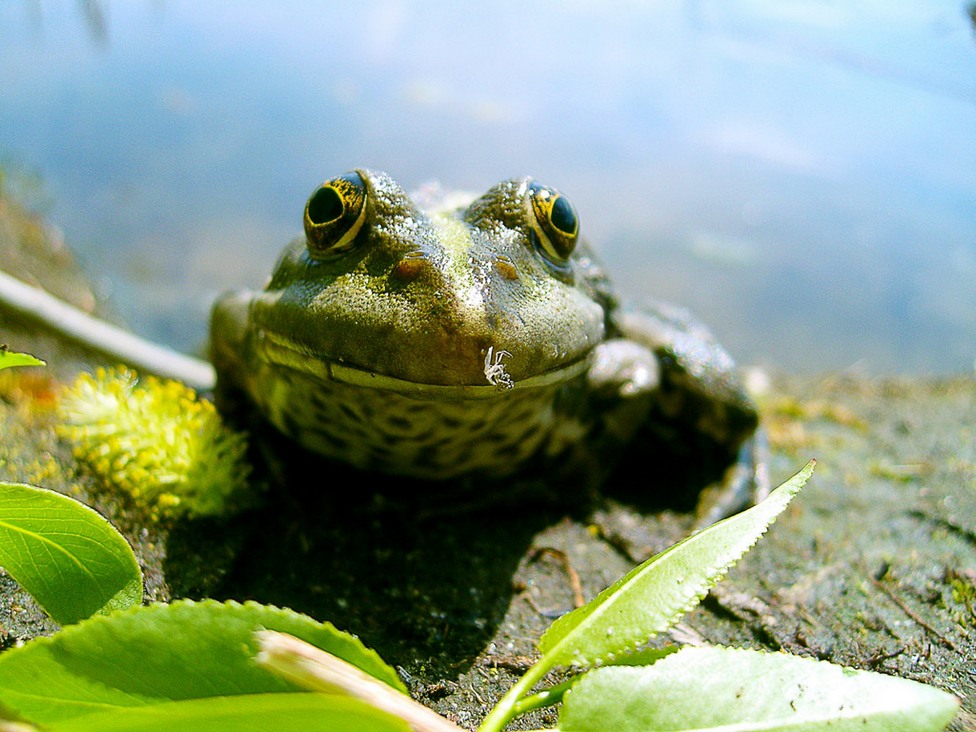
284	354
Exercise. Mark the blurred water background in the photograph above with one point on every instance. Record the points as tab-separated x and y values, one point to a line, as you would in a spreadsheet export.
802	174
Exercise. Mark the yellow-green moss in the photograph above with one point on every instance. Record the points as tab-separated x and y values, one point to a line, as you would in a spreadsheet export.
156	440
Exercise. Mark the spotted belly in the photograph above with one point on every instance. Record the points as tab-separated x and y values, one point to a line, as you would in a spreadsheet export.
423	435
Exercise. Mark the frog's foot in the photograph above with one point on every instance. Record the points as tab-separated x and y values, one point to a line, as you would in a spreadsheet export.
744	483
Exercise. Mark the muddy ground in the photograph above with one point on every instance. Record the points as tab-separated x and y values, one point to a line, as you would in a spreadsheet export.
873	565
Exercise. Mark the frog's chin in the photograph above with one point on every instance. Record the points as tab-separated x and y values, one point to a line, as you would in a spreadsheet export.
284	354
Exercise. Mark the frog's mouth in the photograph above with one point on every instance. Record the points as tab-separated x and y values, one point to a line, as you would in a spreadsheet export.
286	354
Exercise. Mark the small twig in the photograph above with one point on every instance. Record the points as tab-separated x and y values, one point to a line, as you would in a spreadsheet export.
571	573
516	664
878	658
117	343
318	670
912	614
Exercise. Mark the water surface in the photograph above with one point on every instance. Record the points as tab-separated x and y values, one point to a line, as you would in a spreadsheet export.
801	174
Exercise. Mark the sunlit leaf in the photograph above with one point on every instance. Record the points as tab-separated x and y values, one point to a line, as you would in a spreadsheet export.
651	597
258	712
12	358
161	653
69	558
646	601
724	689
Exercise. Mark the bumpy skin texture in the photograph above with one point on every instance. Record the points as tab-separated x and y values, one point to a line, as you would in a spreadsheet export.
472	343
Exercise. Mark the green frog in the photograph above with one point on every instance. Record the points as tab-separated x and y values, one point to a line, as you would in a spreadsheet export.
478	344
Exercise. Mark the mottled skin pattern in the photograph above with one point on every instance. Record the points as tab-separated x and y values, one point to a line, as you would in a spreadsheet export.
473	344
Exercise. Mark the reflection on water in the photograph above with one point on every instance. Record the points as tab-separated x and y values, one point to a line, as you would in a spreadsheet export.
92	14
802	174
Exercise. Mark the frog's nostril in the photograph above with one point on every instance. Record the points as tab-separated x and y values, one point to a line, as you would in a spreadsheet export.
412	266
506	267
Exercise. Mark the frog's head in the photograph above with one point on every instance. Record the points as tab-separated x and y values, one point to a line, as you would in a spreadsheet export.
379	291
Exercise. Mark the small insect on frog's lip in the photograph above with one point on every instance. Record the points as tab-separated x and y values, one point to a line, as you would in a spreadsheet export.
282	352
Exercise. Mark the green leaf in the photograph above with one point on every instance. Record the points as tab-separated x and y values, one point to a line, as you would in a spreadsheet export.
258	712
161	653
12	358
554	694
651	597
719	689
646	601
69	558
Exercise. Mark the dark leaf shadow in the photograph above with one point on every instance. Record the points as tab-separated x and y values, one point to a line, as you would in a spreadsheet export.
352	550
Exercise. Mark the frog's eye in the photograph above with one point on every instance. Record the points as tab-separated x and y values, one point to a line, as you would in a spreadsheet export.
554	222
334	215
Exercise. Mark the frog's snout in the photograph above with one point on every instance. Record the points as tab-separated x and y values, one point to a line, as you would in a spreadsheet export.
416	265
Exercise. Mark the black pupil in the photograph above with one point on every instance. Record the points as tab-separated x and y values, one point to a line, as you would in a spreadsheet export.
563	216
325	205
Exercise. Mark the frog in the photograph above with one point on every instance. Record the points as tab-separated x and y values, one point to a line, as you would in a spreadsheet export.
477	345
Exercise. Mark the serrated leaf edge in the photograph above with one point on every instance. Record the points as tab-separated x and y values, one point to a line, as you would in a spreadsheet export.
856	713
787	491
85	625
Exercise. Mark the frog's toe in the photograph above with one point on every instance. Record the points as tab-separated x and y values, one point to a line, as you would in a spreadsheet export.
623	368
744	483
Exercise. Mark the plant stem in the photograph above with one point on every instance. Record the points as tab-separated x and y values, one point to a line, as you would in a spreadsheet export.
506	708
318	670
544	698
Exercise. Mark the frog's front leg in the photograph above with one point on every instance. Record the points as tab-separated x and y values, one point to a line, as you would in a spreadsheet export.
669	372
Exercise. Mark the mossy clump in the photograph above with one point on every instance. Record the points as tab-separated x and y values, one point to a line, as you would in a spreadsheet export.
158	441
